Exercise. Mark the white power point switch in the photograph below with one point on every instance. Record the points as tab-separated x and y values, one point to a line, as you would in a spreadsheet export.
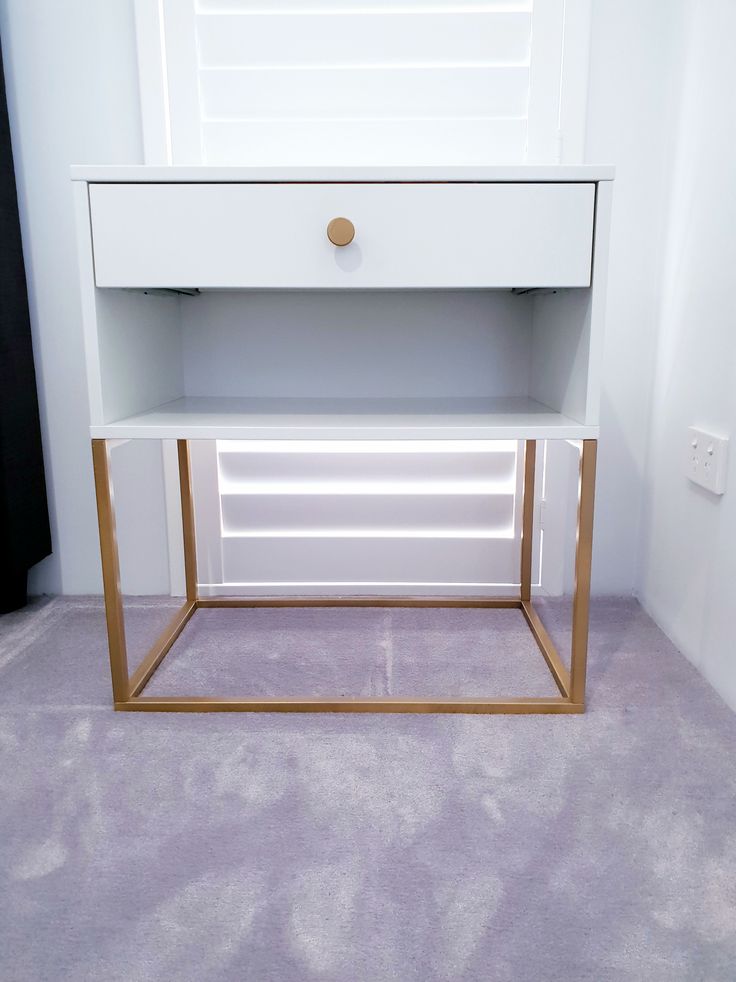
706	460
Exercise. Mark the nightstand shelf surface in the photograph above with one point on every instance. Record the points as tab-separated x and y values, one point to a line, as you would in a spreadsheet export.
223	418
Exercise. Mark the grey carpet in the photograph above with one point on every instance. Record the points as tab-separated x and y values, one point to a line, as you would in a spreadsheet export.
343	848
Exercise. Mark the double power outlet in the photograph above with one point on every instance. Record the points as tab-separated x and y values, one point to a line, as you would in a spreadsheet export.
706	460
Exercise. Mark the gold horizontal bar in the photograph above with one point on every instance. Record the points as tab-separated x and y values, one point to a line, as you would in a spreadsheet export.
296	704
509	603
141	676
559	673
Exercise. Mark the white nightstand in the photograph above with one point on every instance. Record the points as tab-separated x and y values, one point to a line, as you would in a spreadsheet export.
541	231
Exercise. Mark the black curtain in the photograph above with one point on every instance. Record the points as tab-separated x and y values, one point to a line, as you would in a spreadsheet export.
24	520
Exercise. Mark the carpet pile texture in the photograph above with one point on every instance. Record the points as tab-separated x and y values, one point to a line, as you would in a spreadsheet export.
366	848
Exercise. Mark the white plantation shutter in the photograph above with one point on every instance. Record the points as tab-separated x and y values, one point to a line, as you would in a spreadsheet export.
316	517
365	81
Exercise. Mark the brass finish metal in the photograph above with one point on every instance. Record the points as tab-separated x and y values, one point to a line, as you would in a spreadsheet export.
142	675
527	518
544	642
187	520
379	704
507	602
127	691
583	560
341	231
110	570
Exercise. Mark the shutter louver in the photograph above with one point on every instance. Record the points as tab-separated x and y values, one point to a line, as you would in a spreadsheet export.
347	82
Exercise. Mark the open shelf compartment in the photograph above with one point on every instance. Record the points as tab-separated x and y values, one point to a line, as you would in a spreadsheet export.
424	365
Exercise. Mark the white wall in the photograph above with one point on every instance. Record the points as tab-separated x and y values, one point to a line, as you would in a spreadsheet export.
688	574
72	87
634	61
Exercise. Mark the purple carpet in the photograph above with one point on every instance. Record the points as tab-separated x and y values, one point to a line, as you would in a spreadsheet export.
339	848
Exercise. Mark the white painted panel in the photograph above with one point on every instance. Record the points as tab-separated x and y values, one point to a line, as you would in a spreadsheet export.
357	344
544	81
208	525
598	300
404	469
155	110
560	349
174	528
575	67
457	551
359	92
357	6
492	514
274	236
139	347
379	419
360	589
370	38
140	515
557	486
281	173
369	560
179	53
88	301
349	142
567	335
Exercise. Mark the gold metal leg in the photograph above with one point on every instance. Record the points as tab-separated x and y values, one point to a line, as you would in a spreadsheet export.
142	675
583	558
344	704
527	518
545	644
124	686
187	520
110	571
127	691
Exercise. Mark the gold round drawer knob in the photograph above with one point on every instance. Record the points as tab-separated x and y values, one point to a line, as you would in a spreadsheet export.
341	231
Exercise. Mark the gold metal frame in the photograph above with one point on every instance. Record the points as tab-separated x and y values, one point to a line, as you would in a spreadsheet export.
128	689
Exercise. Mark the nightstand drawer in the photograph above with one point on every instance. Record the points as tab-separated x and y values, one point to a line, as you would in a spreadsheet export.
275	236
